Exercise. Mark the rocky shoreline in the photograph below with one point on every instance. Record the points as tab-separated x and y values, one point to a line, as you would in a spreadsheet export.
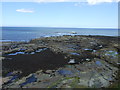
62	62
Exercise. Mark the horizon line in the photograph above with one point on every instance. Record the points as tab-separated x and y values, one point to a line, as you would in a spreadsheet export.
63	27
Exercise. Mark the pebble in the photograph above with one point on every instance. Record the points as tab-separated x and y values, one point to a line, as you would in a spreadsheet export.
87	59
72	61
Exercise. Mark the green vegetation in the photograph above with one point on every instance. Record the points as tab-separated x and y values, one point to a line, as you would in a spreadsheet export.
73	84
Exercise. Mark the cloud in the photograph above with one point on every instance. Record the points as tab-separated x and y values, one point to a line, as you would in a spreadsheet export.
79	4
51	0
90	2
76	4
93	2
37	0
25	10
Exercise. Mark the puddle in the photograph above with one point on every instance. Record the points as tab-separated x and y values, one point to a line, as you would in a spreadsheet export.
16	53
65	72
110	79
21	49
29	80
88	49
73	47
9	74
12	79
40	50
75	54
111	53
32	53
98	63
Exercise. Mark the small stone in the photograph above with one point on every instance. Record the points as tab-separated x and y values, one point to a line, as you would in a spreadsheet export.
91	82
38	72
94	50
72	61
87	59
118	63
48	71
100	46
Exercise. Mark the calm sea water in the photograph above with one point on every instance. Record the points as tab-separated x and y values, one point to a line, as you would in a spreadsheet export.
28	33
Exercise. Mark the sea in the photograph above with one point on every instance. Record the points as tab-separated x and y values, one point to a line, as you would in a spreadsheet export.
28	33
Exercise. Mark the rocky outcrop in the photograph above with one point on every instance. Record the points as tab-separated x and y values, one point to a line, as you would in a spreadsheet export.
62	62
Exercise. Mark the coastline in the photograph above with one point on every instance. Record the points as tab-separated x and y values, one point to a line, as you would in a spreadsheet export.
26	33
98	54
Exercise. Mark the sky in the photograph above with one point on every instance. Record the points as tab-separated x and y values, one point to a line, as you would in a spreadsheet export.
61	14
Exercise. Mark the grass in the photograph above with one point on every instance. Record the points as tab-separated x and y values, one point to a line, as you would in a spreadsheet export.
73	84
